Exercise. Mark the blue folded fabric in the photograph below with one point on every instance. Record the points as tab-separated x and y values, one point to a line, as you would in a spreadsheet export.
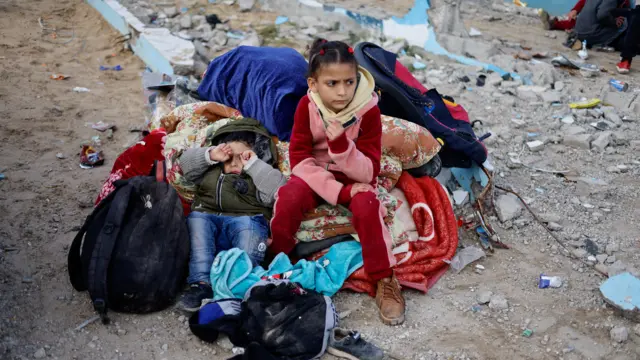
232	276
261	82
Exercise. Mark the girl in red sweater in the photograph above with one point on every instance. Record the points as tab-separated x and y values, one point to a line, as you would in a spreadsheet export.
335	154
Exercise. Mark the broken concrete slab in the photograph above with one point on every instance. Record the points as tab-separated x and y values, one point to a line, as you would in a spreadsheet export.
602	141
157	47
623	293
578	141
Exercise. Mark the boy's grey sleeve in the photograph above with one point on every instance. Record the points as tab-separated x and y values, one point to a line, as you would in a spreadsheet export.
267	179
195	163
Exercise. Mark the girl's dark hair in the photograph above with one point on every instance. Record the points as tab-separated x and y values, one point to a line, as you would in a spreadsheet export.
324	52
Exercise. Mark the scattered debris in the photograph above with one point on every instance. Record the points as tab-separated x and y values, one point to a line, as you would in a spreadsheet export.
112	68
587	104
90	157
460	197
281	20
87	322
465	257
80	89
61	156
59	77
549	282
535	145
527	333
101	126
474	32
622	291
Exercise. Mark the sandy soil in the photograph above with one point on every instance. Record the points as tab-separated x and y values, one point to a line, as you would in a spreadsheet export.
43	200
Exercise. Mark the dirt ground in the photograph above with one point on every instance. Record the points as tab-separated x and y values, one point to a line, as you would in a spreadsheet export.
44	200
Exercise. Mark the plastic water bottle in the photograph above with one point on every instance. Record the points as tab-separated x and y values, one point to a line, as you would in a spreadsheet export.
583	54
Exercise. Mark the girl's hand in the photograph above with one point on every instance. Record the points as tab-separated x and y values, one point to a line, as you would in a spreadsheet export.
572	15
246	155
221	153
334	130
360	188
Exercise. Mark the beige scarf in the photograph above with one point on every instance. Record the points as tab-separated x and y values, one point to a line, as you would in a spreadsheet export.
361	98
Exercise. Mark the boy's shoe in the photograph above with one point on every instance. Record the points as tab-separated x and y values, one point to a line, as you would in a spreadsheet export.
547	22
390	301
349	345
624	66
192	299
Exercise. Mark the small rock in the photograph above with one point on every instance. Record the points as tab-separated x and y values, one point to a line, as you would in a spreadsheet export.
219	38
578	141
535	145
637	329
122	332
611	259
554	226
622	168
61	156
611	115
579	253
246	5
498	302
602	258
558	86
619	334
40	353
225	343
611	248
602	141
91	344
508	207
171	11
55	218
182	318
484	297
165	347
27	279
545	340
551	97
251	40
591	258
569	119
185	22
602	268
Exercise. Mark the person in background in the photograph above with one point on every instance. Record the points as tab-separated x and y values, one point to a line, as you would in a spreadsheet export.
335	152
610	23
567	24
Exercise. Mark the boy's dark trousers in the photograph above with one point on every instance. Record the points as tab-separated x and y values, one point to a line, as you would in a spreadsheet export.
628	43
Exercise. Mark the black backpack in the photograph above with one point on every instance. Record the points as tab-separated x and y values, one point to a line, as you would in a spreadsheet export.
135	251
461	145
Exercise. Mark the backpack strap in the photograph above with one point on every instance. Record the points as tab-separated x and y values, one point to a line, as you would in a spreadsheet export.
74	260
105	243
160	171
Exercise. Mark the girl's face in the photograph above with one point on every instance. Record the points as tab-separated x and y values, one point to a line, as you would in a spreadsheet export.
336	84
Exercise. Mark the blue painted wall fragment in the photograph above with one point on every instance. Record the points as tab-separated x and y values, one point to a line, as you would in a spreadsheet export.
622	291
416	16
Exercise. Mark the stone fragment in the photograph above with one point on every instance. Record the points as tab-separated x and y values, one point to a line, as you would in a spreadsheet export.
554	226
578	141
619	334
508	207
535	145
601	141
484	297
40	353
498	302
185	22
246	5
171	11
